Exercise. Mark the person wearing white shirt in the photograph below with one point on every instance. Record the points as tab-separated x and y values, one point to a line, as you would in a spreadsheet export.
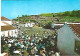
9	45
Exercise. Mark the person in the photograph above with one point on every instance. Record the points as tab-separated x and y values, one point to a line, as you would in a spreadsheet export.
12	48
9	45
37	41
31	44
43	54
42	51
30	40
15	44
29	50
52	53
32	51
26	48
57	54
20	40
22	46
33	40
19	44
35	49
22	52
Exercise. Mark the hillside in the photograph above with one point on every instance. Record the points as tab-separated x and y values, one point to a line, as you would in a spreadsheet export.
67	16
47	14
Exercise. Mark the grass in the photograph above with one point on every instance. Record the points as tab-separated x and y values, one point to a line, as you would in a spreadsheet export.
47	14
70	19
63	18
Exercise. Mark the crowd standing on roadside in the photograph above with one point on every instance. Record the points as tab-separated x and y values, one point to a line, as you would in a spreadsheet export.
31	45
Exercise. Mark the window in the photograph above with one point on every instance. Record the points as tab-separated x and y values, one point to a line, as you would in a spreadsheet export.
77	47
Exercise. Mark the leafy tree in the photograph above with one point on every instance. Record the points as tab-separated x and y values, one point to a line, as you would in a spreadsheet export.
67	13
75	13
48	26
25	15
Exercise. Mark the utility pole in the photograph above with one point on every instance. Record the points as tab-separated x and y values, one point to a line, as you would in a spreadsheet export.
18	26
18	19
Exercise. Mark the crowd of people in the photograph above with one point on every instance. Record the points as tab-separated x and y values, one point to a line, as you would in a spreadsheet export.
31	45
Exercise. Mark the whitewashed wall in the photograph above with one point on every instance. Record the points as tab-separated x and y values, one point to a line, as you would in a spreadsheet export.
9	22
5	33
2	24
66	40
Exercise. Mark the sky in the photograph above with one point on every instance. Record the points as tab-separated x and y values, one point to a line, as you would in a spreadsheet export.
12	8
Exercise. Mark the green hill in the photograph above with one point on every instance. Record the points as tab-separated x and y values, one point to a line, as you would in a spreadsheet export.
69	16
47	14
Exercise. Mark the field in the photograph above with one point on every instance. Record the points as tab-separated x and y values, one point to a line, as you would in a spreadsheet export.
47	14
70	19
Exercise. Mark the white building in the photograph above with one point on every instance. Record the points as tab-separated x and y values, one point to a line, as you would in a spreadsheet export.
5	21
29	24
68	41
7	29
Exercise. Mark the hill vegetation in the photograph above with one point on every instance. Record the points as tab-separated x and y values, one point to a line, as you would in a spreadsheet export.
74	13
68	16
47	14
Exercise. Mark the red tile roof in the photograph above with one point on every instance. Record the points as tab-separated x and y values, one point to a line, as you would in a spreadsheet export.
4	19
76	29
5	28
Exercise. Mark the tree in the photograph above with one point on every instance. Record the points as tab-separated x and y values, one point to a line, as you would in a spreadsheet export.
67	13
75	13
78	13
48	26
25	15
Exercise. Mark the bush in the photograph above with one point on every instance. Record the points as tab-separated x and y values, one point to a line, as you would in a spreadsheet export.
48	26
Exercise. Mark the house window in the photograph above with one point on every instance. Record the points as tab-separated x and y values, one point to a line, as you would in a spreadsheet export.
77	47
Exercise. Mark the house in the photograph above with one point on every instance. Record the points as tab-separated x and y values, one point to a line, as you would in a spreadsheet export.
29	24
5	21
68	40
7	29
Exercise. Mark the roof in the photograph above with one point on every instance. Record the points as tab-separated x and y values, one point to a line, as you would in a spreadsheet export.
59	23
5	28
76	29
4	19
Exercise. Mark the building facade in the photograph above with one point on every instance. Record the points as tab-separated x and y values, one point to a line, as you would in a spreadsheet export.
68	36
7	29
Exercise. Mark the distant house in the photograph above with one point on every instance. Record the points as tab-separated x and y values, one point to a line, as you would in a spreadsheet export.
7	29
68	41
29	24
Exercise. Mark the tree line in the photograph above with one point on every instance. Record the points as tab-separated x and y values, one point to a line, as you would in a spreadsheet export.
74	13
